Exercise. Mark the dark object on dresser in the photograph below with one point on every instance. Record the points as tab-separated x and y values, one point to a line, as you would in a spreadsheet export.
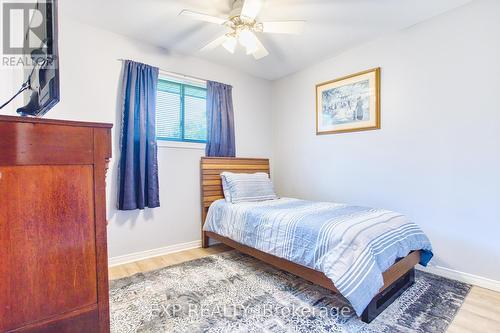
53	248
43	78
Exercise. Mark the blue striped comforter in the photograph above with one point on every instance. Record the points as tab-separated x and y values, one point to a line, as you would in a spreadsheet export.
351	245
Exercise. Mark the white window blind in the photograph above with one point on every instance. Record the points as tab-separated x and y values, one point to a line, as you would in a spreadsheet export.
181	112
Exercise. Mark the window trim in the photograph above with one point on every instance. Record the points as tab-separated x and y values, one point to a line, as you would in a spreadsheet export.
190	143
180	145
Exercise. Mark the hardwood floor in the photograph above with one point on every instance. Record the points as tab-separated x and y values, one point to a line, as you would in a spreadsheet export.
480	312
163	261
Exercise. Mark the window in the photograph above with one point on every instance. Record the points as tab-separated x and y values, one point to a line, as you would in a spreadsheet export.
181	112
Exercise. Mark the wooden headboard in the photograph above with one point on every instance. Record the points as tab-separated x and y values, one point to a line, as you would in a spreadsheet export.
211	184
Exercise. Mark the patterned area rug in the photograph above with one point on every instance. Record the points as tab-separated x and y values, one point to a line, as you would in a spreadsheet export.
232	292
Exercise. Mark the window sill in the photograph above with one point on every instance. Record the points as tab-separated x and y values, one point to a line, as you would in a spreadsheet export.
180	145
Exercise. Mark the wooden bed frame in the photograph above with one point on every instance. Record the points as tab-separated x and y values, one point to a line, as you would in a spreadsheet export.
397	278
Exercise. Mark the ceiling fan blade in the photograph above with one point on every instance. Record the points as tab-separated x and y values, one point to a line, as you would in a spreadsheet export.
283	27
215	43
203	17
251	8
261	51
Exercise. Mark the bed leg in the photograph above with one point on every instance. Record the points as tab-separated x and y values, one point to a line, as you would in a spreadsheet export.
388	296
204	237
204	240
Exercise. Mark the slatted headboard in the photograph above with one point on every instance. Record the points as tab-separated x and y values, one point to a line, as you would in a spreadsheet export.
211	184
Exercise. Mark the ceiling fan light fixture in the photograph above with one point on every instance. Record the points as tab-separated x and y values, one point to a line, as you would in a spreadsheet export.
252	50
251	8
230	44
248	40
243	26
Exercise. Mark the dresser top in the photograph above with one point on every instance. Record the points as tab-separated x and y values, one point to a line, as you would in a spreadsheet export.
15	119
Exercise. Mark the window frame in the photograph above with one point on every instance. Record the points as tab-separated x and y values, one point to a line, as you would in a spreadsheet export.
182	142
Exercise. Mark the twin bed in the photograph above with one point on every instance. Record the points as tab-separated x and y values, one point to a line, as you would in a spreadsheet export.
366	254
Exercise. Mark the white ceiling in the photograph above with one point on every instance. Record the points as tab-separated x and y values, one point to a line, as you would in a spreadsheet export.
333	26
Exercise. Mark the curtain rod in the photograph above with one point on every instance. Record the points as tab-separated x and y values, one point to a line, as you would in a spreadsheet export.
176	74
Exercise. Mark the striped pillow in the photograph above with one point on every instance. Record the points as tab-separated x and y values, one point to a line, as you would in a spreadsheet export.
243	187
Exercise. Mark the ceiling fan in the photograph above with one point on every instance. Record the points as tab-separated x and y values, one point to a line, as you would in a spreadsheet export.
242	25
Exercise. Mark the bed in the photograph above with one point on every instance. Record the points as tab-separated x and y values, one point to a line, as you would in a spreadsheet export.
262	230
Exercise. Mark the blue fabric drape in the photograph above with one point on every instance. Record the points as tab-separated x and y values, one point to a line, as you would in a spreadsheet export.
138	173
220	120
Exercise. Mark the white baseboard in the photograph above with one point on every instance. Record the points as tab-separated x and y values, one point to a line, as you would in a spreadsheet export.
137	256
438	270
463	277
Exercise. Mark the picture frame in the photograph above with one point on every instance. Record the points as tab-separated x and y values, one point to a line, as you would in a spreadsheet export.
349	104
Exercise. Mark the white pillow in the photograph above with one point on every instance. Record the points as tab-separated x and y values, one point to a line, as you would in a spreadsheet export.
247	187
225	189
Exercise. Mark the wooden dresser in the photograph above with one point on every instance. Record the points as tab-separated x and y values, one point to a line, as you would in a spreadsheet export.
53	252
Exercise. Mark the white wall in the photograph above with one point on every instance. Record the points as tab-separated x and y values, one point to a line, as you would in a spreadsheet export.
10	82
90	76
436	157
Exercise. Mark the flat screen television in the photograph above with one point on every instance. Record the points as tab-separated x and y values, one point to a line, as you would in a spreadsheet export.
42	73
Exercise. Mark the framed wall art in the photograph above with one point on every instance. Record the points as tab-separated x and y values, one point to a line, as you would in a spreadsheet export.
348	104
